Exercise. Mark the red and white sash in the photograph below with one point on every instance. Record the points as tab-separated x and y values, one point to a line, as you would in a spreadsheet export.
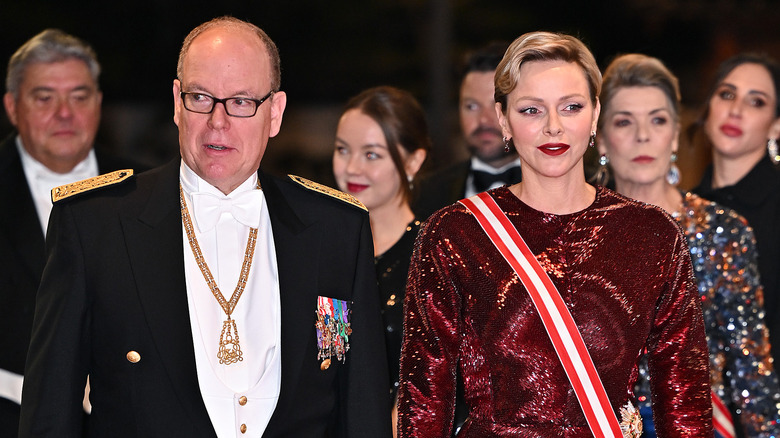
558	322
721	418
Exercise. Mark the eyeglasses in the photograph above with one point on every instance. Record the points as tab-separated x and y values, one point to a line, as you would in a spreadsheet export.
234	106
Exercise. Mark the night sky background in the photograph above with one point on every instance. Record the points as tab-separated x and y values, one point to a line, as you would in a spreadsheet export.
332	50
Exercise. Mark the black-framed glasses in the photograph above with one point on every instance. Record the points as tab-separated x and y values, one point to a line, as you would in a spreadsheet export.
234	106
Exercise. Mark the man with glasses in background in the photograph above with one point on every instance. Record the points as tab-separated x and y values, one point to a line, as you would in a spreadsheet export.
206	298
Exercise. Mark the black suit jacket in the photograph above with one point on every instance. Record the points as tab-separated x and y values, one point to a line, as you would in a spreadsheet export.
115	283
22	257
441	189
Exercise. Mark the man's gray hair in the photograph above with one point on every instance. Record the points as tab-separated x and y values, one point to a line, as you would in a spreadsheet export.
51	45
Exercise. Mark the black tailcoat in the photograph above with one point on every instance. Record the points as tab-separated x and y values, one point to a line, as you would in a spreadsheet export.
22	256
115	283
441	189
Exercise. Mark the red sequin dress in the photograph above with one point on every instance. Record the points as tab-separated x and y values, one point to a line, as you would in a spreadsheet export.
623	270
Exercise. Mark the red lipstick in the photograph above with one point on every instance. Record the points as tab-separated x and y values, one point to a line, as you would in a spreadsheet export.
554	149
730	130
643	159
356	188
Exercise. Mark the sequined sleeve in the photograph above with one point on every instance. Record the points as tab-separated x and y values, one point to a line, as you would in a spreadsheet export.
623	270
732	300
677	355
745	338
429	356
723	253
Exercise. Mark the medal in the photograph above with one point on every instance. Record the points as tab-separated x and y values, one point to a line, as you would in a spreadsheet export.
333	330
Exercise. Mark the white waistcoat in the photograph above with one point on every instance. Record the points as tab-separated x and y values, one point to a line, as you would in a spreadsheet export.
243	395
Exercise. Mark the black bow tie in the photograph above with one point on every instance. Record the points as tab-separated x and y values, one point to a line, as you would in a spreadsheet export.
483	180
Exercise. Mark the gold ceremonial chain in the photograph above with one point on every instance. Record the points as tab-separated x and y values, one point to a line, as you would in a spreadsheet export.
229	348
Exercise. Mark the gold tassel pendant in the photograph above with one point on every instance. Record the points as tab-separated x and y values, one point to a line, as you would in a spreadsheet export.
229	348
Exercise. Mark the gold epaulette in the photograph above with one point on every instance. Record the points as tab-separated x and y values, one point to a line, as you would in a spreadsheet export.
85	185
311	185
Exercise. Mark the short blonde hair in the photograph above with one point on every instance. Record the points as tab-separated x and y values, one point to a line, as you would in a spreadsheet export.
544	46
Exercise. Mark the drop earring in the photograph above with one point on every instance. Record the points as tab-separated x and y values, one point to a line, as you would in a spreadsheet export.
673	175
602	174
772	149
592	142
506	145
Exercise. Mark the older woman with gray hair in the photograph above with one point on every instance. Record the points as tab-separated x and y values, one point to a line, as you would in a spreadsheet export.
638	135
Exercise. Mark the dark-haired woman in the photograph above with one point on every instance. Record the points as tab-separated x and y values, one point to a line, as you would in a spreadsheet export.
741	120
381	142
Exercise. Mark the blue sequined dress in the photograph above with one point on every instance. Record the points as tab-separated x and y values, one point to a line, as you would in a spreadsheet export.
723	252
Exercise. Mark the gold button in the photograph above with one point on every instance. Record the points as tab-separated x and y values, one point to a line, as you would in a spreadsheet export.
325	364
243	428
133	356
242	400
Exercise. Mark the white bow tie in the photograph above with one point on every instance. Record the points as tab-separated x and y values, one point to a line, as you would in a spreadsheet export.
47	177
244	207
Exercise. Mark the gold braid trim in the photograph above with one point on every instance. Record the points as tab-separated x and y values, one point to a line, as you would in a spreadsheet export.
85	185
311	185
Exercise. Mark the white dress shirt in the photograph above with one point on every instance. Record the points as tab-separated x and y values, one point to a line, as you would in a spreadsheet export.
243	395
41	179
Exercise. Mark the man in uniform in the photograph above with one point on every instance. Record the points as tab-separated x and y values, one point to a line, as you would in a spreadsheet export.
205	298
53	100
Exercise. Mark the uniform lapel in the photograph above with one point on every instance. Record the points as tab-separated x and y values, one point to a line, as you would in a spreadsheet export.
297	247
154	241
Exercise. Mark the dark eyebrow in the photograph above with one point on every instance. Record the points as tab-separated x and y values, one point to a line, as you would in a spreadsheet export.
733	87
657	110
629	113
365	146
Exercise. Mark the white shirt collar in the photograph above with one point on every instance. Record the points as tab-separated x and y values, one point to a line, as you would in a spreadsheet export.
477	164
192	183
42	180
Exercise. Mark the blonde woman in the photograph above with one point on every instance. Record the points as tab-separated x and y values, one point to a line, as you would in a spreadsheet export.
615	271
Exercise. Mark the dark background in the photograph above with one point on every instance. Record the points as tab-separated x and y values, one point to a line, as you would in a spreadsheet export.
332	50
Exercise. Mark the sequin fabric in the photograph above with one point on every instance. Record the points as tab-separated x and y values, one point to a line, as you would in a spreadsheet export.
723	252
623	270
